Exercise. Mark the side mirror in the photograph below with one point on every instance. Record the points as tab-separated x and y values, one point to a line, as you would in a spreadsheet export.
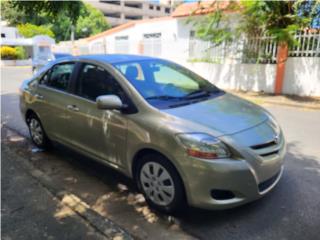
109	102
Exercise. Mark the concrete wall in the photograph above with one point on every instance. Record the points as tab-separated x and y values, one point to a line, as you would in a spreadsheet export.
246	77
26	62
302	76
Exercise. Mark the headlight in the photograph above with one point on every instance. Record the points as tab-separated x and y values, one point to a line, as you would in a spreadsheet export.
204	146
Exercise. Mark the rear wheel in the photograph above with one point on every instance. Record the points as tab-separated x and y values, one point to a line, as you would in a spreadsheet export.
160	183
37	133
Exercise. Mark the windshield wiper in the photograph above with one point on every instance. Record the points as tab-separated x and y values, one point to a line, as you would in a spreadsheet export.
197	94
162	97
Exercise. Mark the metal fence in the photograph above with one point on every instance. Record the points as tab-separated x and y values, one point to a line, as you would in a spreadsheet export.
254	50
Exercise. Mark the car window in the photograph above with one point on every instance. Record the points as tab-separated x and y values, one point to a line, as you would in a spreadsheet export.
94	81
163	78
59	76
169	75
132	71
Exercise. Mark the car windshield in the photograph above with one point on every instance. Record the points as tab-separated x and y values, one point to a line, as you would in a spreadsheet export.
166	83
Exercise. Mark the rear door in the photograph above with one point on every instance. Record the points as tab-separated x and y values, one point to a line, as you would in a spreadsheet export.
52	94
101	133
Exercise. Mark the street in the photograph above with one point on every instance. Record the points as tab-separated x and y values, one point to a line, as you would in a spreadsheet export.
291	211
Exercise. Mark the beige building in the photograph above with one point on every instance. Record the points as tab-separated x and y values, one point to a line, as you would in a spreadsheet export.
119	12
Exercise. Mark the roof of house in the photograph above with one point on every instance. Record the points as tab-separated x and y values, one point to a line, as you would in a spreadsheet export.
199	8
127	25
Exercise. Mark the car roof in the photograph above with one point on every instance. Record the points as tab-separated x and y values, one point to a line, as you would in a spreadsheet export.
111	58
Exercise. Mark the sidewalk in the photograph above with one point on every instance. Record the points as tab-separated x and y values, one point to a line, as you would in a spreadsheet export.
286	100
31	210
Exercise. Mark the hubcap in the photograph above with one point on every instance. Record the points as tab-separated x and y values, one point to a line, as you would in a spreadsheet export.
157	183
36	131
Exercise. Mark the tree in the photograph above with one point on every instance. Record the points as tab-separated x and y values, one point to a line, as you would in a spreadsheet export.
89	20
278	19
51	8
29	30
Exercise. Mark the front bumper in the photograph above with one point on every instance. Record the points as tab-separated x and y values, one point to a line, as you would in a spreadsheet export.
247	179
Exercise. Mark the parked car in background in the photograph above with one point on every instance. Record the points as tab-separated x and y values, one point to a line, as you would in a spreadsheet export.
61	55
181	139
44	57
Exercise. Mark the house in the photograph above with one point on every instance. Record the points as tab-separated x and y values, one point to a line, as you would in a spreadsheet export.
166	37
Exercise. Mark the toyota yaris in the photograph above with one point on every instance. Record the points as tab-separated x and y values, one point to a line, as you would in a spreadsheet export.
181	139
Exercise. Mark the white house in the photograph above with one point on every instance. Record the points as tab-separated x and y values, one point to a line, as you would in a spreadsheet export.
162	37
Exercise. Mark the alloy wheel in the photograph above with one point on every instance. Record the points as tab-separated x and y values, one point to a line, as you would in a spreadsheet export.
36	131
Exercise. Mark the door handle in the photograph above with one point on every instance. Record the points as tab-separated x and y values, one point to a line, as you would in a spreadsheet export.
38	96
73	108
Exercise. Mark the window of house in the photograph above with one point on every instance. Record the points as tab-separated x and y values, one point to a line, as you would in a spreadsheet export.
152	45
151	7
158	8
94	81
3	35
59	76
121	44
167	10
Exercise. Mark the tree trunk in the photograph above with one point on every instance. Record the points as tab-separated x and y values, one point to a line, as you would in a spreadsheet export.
282	56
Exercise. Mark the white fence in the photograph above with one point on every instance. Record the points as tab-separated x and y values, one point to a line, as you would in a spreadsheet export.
308	44
255	50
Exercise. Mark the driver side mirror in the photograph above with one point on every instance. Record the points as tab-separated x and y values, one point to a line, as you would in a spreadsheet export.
109	102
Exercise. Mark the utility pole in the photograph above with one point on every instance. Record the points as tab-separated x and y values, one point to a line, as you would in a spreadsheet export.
72	39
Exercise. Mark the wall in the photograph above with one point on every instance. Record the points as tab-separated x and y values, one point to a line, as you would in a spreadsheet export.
246	77
10	32
302	76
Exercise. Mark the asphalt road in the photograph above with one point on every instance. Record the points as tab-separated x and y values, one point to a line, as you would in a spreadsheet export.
291	211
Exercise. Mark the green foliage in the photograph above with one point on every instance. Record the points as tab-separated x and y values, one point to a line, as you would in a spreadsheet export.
90	22
58	16
29	30
21	52
279	19
216	26
51	8
12	53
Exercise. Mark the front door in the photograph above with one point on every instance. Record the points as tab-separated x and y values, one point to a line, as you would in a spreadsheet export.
101	133
52	94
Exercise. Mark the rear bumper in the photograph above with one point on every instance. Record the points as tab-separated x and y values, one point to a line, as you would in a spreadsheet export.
237	180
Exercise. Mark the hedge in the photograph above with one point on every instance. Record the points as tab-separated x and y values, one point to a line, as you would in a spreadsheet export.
12	53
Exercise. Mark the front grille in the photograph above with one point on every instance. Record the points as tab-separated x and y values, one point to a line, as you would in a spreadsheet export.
264	145
269	148
266	184
269	153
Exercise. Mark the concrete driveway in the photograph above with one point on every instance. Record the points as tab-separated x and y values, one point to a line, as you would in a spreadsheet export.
291	211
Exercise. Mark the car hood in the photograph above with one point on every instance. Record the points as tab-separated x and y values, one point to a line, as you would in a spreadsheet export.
226	114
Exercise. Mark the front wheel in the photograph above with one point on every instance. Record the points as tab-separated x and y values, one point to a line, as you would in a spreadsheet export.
37	133
160	183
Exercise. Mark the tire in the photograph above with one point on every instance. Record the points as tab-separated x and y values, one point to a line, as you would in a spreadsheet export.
37	133
160	183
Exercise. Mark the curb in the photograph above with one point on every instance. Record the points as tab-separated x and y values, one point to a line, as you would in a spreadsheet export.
285	104
104	226
261	100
